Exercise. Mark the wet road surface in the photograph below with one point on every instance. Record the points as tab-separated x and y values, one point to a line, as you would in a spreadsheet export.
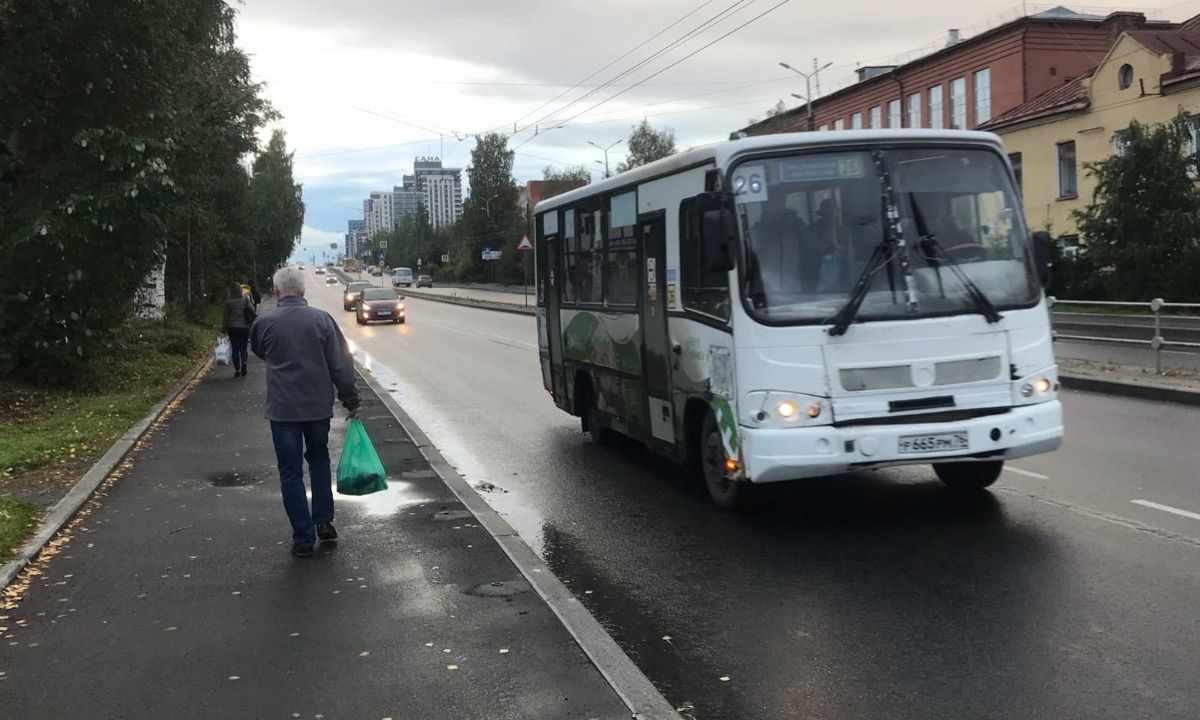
875	595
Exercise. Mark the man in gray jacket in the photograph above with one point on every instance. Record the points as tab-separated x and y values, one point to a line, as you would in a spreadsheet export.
307	359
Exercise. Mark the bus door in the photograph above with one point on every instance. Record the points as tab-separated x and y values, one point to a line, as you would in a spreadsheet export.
552	278
656	345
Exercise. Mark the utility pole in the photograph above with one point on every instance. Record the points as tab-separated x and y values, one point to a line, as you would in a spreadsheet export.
808	82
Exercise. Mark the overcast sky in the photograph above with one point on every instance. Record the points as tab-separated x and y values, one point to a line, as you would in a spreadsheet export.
365	86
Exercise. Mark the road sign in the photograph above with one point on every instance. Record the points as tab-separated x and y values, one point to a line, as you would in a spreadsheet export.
445	258
383	244
491	254
524	244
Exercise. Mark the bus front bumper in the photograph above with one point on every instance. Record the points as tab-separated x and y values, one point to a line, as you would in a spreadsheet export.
775	455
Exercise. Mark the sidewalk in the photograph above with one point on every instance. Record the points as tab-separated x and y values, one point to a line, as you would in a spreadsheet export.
176	595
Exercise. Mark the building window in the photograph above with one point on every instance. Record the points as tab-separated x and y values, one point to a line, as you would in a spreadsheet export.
958	104
1125	76
914	110
856	121
875	118
823	128
1120	142
935	107
1014	159
839	124
1067	187
895	119
983	96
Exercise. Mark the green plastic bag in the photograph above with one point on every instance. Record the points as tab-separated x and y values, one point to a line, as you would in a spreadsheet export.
359	470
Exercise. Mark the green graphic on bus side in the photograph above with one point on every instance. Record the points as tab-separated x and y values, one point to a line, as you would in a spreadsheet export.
727	424
589	338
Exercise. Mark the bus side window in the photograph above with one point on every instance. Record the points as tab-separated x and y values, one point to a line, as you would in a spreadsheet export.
702	291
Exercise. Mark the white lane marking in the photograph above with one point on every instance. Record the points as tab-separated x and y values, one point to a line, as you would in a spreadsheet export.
1026	473
1177	352
1167	508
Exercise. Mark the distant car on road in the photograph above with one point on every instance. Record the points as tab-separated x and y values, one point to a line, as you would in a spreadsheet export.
402	276
320	271
331	280
353	291
379	304
377	273
424	281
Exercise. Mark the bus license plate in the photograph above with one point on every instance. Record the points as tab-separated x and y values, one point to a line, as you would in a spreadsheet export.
938	442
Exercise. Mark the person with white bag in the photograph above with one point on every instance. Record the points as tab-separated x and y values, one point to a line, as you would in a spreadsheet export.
222	352
237	317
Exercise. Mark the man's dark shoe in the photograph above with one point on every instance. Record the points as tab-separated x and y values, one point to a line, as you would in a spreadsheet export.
326	531
302	550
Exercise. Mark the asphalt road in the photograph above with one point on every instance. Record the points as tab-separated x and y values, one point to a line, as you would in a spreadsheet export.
1068	592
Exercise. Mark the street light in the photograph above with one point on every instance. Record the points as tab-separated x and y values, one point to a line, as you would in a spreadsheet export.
605	150
807	86
489	204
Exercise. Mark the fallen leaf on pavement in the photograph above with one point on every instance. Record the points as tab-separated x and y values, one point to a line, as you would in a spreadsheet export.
451	667
364	653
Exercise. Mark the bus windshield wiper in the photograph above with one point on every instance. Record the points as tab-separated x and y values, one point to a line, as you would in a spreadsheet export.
891	249
936	256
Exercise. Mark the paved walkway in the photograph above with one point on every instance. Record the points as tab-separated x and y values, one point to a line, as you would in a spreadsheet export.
175	595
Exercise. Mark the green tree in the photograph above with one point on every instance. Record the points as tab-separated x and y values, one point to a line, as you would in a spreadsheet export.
122	127
647	145
557	182
490	215
278	206
1140	230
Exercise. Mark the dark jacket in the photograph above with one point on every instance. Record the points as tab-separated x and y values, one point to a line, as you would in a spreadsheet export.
307	359
234	315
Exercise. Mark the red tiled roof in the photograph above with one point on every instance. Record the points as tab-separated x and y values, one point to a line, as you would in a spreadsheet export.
1069	96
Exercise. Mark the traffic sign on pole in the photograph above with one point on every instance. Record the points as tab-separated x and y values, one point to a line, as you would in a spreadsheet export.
524	244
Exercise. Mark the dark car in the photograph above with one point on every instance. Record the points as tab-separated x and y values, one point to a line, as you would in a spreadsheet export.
424	281
353	290
381	304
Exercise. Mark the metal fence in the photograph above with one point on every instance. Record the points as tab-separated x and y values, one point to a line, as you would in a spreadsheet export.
1156	341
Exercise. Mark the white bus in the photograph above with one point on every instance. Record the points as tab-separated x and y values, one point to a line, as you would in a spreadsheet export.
402	277
802	305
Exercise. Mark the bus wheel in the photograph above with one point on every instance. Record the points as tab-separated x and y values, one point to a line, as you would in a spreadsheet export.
600	433
969	475
727	494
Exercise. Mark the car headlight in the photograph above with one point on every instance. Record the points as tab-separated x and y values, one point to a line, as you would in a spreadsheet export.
400	306
364	307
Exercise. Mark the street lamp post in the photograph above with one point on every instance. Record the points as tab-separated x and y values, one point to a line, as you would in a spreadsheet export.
605	150
807	86
488	205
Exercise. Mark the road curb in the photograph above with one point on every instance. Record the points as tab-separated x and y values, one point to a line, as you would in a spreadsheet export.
82	491
1141	392
481	304
644	700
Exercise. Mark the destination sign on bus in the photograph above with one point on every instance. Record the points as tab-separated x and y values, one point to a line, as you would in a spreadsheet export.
821	167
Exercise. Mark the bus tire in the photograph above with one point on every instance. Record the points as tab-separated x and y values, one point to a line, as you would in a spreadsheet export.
593	422
969	475
710	448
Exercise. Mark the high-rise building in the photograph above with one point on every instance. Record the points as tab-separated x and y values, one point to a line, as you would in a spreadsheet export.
405	202
353	227
441	189
378	213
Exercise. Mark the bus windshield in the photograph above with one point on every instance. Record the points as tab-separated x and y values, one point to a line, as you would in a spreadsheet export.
816	224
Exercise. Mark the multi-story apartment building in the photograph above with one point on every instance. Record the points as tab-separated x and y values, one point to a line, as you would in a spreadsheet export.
377	212
405	203
353	227
441	190
968	81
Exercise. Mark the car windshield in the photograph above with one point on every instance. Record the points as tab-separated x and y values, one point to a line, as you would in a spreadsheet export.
378	294
356	287
813	222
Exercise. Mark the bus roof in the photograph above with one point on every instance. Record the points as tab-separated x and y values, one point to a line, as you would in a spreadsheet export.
721	153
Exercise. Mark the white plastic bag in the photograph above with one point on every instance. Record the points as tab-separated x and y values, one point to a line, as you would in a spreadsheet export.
223	353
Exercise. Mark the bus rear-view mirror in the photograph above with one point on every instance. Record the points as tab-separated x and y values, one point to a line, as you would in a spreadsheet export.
717	238
1043	255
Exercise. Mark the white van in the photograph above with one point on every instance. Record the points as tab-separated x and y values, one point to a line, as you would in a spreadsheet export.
402	276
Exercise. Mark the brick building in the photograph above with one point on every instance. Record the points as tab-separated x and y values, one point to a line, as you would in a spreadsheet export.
970	80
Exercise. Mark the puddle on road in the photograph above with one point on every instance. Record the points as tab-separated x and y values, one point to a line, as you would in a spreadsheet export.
500	589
